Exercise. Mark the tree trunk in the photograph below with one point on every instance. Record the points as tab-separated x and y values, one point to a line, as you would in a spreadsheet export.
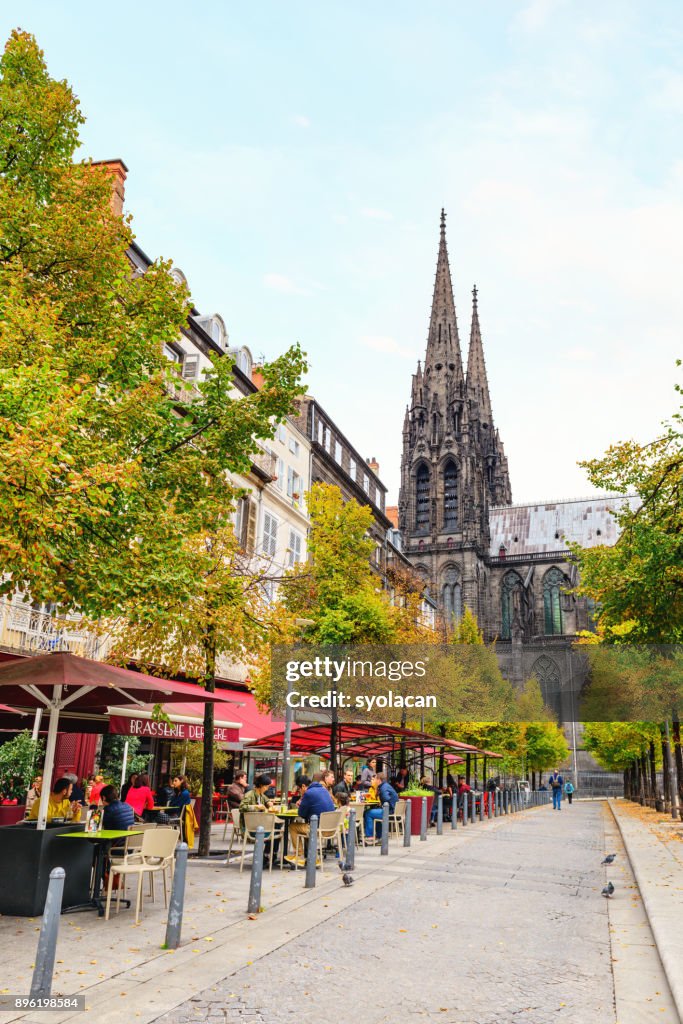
533	780
653	775
643	780
665	772
678	754
207	766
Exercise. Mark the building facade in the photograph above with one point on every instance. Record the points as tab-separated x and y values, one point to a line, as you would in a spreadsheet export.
510	564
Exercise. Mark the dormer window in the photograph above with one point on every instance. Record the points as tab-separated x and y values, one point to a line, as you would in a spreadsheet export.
215	328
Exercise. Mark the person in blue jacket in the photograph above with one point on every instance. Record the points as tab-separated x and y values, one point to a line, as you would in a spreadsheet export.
316	800
386	794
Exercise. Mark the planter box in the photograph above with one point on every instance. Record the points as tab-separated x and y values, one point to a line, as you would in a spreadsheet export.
27	857
10	814
416	812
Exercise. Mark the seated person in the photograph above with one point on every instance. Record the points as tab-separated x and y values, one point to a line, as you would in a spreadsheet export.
234	793
316	800
345	786
140	796
400	781
59	804
386	794
163	794
116	814
256	799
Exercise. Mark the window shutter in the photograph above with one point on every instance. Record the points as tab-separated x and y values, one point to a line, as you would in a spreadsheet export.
249	527
269	534
190	367
294	547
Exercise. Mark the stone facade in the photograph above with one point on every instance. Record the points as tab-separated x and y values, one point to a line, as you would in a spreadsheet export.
510	564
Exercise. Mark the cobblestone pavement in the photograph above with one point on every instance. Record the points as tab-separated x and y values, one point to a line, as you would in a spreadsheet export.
509	927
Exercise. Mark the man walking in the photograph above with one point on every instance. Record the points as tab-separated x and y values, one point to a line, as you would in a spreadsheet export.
569	790
556	783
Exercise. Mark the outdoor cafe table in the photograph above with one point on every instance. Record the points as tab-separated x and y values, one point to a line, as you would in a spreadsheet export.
286	816
103	841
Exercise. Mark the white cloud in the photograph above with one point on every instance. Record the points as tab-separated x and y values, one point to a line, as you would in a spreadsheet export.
301	121
387	345
284	284
374	213
535	15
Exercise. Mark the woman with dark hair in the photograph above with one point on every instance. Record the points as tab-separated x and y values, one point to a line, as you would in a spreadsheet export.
181	794
140	796
132	778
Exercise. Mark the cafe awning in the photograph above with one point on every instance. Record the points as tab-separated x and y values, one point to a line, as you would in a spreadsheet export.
54	682
358	739
185	722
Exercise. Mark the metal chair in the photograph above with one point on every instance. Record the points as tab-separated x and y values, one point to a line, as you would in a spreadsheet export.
155	853
269	823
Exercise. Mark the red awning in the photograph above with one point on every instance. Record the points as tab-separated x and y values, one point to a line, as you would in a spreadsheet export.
312	739
255	724
187	722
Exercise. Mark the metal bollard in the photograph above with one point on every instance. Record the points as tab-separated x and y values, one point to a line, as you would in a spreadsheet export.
454	811
482	806
351	842
385	830
473	809
175	904
408	823
423	821
504	808
312	855
41	983
439	814
254	902
465	810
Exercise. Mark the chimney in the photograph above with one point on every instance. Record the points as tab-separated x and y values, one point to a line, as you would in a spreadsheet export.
118	173
373	464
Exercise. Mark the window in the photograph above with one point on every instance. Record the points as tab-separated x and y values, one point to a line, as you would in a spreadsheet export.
239	521
270	525
511	590
175	357
450	497
422	499
244	362
338	452
321	432
294	553
269	591
280	473
190	367
293	446
553	582
550	680
352	468
281	433
293	484
246	516
328	439
452	603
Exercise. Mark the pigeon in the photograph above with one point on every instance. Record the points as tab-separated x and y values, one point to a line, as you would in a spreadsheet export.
343	866
609	858
608	890
347	878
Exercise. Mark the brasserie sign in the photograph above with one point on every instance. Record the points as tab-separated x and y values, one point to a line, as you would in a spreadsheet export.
121	725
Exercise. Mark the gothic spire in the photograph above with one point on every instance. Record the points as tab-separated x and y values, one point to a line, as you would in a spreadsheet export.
443	343
477	381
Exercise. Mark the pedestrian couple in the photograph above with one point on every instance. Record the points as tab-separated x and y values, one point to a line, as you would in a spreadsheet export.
558	786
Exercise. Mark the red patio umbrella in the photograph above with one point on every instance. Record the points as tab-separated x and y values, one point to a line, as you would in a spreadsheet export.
59	680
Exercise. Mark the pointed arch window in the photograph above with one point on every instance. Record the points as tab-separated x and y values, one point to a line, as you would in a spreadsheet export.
550	681
450	497
553	582
512	583
451	595
422	499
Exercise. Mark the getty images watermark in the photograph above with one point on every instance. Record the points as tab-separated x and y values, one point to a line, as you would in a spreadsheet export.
337	673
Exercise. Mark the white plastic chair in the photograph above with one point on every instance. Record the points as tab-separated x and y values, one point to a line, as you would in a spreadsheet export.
271	826
156	853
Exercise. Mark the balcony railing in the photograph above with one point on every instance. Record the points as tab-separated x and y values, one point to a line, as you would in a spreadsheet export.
265	464
29	631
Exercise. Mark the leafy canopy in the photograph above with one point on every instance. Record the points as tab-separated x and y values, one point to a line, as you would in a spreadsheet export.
106	472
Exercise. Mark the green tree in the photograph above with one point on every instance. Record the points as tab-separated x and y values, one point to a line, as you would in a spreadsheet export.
637	584
111	757
19	760
545	746
105	471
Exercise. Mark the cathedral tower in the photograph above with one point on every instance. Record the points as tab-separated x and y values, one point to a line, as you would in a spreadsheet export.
453	467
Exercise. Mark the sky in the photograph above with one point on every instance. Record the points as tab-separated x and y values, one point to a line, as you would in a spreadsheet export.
292	160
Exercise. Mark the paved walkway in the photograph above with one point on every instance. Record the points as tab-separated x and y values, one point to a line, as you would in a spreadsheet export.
505	924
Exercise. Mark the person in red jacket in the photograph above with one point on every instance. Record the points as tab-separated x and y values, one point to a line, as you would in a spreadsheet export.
140	796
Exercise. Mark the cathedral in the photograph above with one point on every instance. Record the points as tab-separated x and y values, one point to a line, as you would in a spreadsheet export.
510	564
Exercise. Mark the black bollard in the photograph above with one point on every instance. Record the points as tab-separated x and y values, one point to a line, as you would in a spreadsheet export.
256	880
408	823
177	900
439	814
312	855
351	842
41	984
423	821
385	830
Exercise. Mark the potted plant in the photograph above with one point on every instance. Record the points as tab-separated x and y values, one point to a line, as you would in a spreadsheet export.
415	792
18	762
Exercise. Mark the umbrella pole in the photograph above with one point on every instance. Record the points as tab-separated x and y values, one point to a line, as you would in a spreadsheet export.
124	765
50	747
36	724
